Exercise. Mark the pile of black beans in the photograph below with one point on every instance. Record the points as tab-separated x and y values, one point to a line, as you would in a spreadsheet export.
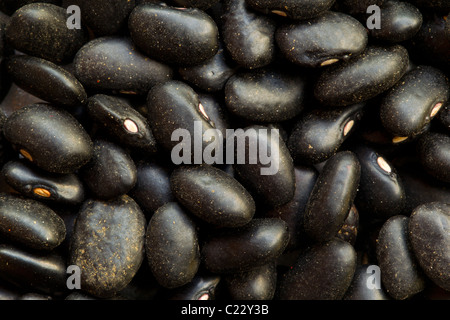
93	206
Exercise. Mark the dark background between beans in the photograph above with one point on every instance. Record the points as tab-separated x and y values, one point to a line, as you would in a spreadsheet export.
87	178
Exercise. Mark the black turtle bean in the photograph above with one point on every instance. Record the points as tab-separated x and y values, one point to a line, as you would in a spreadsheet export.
294	9
9	6
381	193
323	272
215	108
108	244
172	35
359	79
271	181
430	240
414	101
34	271
400	22
212	195
49	137
359	288
257	284
30	223
258	243
400	272
39	29
38	184
332	196
111	171
433	152
113	64
122	122
248	37
46	80
318	42
265	94
356	7
172	246
319	133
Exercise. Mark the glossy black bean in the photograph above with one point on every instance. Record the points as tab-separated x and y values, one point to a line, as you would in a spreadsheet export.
202	287
122	122
34	271
38	184
127	70
401	21
39	29
241	249
332	196
214	106
175	105
248	37
380	193
430	240
294	9
400	272
272	182
46	80
152	188
108	244
267	94
293	211
212	195
212	74
183	37
319	133
201	4
365	285
9	6
434	154
330	38
359	79
104	17
414	101
30	223
172	246
257	284
49	137
323	272
111	171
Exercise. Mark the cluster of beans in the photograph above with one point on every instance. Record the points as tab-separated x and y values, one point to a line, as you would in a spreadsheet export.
92	205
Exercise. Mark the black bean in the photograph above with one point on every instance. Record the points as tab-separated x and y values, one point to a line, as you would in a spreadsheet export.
111	171
271	181
294	9
332	196
214	107
172	35
30	223
257	284
363	77
104	17
122	122
434	154
349	230
108	244
265	94
319	133
172	246
46	80
115	65
39	29
400	272
49	137
201	4
364	285
323	272
356	7
322	41
212	195
35	271
400	22
202	287
381	193
9	6
414	101
241	249
38	184
248	37
429	236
